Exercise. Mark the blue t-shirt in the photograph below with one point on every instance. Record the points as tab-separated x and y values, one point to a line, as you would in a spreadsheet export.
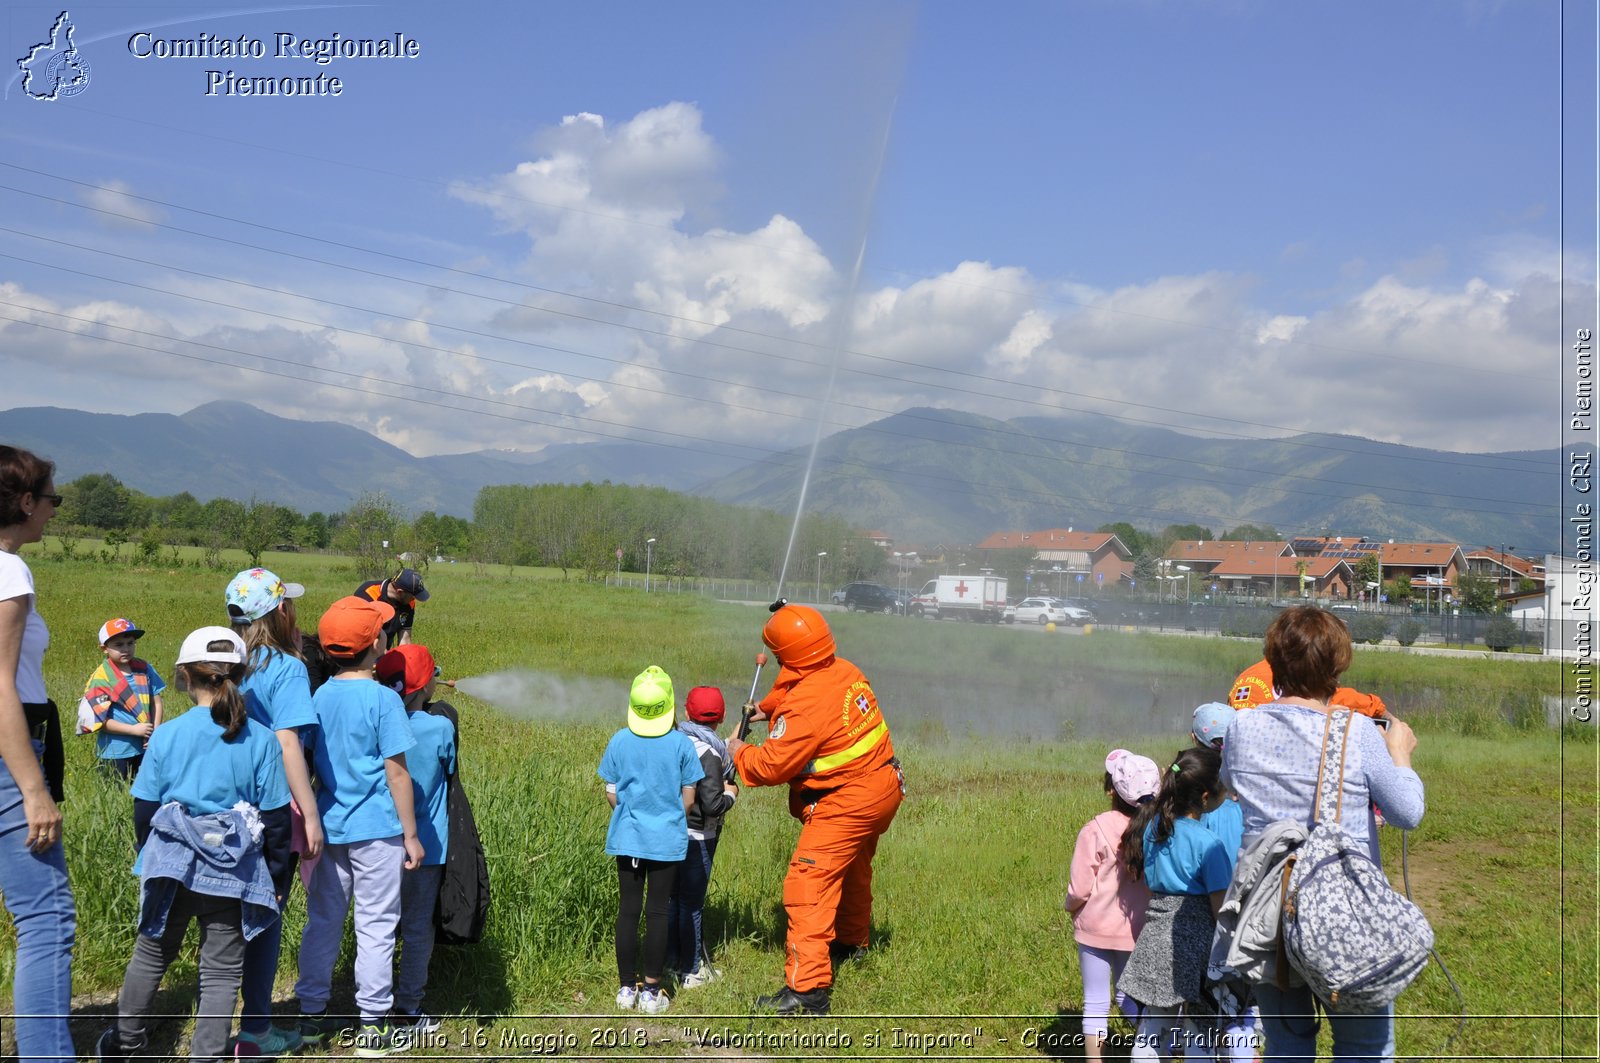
1192	860
189	762
431	762
108	746
360	724
1226	821
277	691
649	774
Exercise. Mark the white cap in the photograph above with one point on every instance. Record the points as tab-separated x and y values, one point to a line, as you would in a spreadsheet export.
194	646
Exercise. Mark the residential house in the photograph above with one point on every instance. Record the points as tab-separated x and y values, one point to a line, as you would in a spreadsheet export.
1098	558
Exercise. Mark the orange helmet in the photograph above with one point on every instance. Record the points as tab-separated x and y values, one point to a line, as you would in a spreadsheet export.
799	636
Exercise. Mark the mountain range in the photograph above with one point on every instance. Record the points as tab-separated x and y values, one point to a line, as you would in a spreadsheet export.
923	476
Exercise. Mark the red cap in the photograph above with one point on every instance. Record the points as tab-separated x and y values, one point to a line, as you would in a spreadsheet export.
406	669
705	705
351	625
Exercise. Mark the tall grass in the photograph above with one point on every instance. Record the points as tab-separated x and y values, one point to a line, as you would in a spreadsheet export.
970	878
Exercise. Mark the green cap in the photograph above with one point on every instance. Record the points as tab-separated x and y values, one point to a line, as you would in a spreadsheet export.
650	703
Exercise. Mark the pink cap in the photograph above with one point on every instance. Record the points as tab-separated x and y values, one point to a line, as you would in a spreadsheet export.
1133	777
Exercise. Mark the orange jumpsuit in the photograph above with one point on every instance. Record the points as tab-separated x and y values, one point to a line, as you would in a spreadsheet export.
828	741
1254	687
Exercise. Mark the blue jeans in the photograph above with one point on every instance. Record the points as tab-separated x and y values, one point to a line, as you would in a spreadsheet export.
686	912
1289	1017
39	899
260	978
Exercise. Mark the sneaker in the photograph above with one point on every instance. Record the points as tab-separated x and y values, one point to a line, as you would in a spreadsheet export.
376	1039
110	1047
627	997
653	1000
789	1001
704	976
314	1026
276	1041
414	1022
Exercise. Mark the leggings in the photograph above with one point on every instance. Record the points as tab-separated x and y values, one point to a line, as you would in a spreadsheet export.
633	875
1101	968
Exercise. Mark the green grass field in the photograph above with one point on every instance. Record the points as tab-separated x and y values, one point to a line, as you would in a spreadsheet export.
1003	732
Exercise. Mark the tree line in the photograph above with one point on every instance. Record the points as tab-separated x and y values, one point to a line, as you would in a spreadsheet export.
577	528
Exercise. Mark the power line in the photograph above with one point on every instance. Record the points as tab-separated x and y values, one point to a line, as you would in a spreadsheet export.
865	428
869	473
1232	421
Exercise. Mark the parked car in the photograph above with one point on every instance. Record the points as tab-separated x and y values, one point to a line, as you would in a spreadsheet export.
1076	614
1037	611
869	597
838	596
1082	605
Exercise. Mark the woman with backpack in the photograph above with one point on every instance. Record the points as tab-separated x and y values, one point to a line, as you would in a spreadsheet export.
1272	761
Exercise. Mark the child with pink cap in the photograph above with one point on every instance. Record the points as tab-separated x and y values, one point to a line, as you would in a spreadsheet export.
1106	902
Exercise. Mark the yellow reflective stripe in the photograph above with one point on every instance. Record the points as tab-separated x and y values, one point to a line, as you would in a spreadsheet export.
845	756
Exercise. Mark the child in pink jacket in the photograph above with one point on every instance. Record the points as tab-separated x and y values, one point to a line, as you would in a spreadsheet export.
1107	904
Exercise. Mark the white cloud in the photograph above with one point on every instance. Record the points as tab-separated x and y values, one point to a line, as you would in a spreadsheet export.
121	209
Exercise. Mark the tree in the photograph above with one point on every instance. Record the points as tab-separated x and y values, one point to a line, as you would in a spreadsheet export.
1477	594
98	500
366	529
1135	540
1252	533
1177	533
1367	570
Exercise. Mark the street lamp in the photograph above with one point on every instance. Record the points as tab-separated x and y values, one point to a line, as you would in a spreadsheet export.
820	555
1185	569
649	550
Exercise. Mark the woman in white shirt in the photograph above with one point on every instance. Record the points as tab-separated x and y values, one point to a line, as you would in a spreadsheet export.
33	866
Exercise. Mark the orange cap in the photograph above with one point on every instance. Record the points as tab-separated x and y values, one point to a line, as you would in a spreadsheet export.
799	636
351	625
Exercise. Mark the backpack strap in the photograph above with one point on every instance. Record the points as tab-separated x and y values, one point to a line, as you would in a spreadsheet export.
1330	772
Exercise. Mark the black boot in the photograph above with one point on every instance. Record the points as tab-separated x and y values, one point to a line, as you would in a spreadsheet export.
790	1001
841	953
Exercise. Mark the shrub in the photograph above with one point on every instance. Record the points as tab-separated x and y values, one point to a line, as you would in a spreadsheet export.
1369	628
1501	634
1407	631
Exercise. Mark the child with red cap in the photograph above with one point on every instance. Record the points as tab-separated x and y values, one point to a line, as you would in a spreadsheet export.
409	671
714	796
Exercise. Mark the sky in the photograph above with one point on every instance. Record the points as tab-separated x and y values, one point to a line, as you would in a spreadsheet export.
728	224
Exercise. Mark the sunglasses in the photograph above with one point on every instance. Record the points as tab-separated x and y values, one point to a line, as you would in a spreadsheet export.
54	500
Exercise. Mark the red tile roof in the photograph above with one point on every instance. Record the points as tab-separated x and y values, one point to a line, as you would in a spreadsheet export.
1223	549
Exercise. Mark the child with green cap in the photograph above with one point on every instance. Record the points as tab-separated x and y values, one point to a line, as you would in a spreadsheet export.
650	771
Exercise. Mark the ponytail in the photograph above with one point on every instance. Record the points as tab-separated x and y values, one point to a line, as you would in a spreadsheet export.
221	684
1192	775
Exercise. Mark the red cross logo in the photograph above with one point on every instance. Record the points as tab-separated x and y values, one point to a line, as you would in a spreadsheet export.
961	589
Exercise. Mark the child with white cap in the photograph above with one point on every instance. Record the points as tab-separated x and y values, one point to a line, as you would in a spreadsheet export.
1106	902
650	771
211	815
277	694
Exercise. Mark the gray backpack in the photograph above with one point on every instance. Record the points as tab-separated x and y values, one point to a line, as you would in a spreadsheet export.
1354	939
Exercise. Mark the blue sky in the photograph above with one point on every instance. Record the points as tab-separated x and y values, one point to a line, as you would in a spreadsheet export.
578	221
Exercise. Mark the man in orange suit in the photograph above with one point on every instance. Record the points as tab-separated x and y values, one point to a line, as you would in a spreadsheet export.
828	740
1254	687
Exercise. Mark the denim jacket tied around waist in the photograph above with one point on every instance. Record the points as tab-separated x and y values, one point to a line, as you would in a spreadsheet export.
218	854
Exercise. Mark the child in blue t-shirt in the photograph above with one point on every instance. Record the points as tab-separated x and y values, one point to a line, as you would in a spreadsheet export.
650	770
1188	870
364	797
1209	729
124	699
409	671
211	815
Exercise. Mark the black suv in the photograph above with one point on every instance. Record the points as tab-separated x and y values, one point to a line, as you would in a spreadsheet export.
869	597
